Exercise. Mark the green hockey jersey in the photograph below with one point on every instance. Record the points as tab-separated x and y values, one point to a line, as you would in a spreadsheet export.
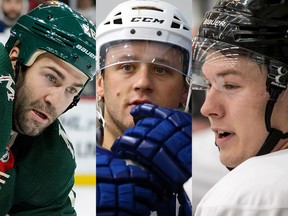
43	176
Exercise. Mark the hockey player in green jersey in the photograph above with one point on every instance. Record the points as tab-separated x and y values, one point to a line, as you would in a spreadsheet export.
47	61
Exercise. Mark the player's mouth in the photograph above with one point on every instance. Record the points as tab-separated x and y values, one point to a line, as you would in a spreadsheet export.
222	134
138	102
40	115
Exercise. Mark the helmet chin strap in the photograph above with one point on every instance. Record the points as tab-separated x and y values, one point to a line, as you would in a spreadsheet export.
74	103
274	134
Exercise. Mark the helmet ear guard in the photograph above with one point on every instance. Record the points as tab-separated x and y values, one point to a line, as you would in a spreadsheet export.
75	101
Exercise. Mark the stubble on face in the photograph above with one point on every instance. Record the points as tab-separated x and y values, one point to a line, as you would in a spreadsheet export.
119	118
24	104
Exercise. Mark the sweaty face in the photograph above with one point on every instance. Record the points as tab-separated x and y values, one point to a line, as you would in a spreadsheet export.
140	72
43	92
12	8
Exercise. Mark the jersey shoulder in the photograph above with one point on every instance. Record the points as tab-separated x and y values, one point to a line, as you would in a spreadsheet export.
45	164
251	185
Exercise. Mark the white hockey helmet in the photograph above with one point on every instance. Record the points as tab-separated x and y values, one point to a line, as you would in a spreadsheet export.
145	20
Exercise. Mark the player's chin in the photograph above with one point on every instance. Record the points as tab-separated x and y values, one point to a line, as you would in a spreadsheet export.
129	124
14	16
229	161
35	129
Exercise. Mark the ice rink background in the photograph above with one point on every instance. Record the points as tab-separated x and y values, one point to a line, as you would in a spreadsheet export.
85	204
80	126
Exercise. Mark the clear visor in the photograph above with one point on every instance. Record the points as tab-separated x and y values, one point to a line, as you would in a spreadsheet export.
217	64
162	55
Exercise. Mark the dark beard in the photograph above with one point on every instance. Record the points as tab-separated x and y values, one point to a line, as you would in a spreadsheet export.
23	105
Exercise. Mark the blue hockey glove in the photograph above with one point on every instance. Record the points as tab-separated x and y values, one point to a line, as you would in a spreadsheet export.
123	190
161	142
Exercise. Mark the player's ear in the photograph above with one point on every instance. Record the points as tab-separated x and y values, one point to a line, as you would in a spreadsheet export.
100	86
14	53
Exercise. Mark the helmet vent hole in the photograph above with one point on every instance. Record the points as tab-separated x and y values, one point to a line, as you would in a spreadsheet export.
176	18
49	17
175	25
186	28
40	28
64	39
159	33
147	8
132	31
88	67
118	21
43	30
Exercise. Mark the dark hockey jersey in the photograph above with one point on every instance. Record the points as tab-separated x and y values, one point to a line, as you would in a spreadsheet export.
43	176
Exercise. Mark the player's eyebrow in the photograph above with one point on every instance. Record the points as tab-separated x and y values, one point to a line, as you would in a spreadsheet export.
62	76
226	72
127	58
